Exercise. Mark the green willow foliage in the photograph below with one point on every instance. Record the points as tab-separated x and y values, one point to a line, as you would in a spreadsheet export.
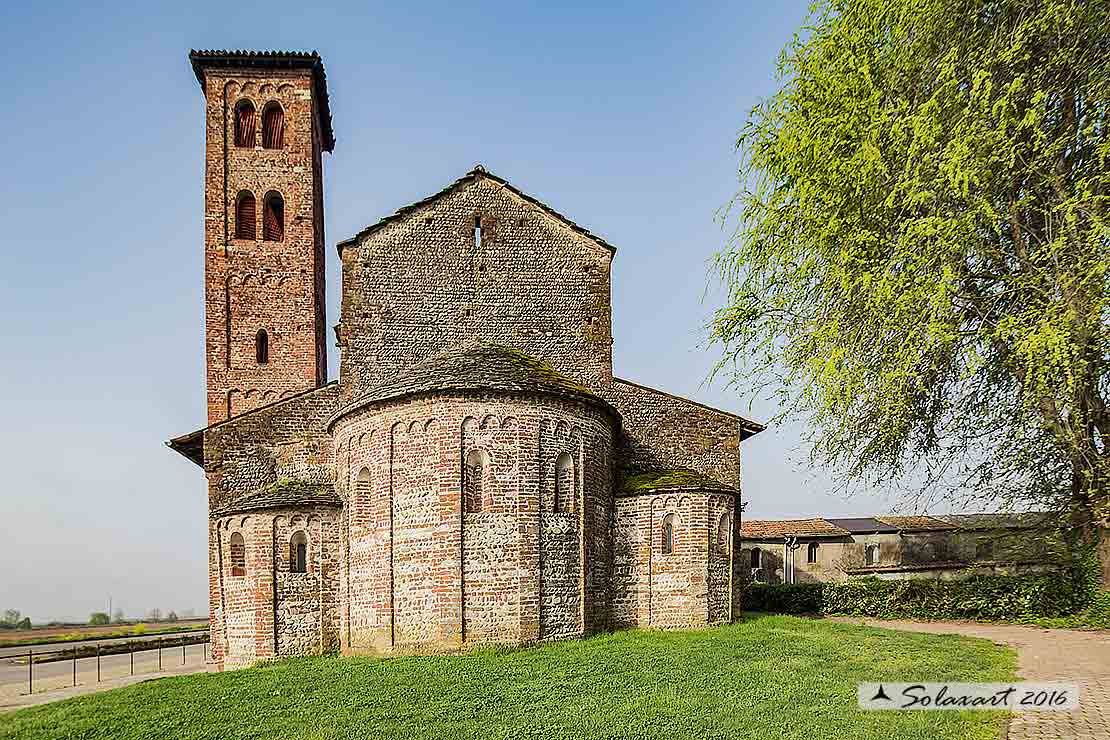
920	259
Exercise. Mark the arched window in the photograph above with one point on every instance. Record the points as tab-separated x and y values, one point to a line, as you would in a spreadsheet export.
564	484
811	553
244	124
984	549
245	217
298	553
473	479
273	127
668	534
262	347
362	497
273	218
757	557
724	532
238	555
871	554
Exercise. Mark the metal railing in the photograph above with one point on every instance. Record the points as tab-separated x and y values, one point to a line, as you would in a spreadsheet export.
134	646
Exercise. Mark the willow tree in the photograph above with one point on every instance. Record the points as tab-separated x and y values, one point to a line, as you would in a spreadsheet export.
920	255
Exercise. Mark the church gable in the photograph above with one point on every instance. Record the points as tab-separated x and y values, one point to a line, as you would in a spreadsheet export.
478	260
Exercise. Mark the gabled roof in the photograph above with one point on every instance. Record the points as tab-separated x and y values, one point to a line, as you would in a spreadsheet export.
915	523
748	428
682	479
863	525
478	172
202	59
191	445
766	529
475	365
281	494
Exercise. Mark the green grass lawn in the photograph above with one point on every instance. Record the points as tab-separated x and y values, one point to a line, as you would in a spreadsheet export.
769	677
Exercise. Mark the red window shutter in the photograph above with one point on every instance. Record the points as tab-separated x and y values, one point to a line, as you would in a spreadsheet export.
273	128
273	220
244	126
245	217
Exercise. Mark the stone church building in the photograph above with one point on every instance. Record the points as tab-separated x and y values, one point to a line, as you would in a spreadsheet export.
476	474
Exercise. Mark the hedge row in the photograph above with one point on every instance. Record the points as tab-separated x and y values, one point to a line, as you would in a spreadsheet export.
981	597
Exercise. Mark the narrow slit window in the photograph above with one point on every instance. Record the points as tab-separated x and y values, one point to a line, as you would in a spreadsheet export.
238	555
244	124
262	347
564	484
473	479
361	508
724	533
298	553
245	217
273	127
477	232
273	219
668	534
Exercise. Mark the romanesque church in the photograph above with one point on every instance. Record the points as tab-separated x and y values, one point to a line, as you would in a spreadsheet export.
476	474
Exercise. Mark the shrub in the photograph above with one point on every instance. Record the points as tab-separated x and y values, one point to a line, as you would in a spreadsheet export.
979	597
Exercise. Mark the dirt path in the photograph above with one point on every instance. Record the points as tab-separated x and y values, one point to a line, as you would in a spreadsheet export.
1043	654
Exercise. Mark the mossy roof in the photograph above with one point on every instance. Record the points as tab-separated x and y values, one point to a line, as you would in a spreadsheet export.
283	493
475	365
671	480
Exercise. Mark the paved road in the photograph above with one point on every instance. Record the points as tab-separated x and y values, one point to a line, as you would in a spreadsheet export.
7	652
51	676
1044	655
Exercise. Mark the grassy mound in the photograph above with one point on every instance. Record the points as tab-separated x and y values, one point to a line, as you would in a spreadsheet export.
769	677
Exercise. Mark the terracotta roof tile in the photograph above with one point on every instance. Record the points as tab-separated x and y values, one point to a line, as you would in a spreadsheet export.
310	60
761	529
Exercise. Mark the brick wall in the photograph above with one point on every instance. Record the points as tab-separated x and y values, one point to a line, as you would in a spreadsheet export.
690	586
269	611
426	573
276	286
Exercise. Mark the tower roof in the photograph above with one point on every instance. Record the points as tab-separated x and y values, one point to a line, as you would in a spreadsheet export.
475	365
203	59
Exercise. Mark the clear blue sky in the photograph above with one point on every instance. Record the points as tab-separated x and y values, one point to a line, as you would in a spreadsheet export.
622	118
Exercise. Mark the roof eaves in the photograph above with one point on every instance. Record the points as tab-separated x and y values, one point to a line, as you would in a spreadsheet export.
200	58
748	427
478	171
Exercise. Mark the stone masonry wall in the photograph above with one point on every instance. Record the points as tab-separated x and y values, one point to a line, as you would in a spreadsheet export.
277	286
691	585
423	573
661	432
423	283
242	454
267	611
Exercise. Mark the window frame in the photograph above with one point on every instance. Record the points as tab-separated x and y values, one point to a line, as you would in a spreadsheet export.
237	554
270	106
667	533
298	552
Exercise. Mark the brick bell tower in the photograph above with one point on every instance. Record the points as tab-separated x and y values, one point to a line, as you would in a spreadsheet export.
267	124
